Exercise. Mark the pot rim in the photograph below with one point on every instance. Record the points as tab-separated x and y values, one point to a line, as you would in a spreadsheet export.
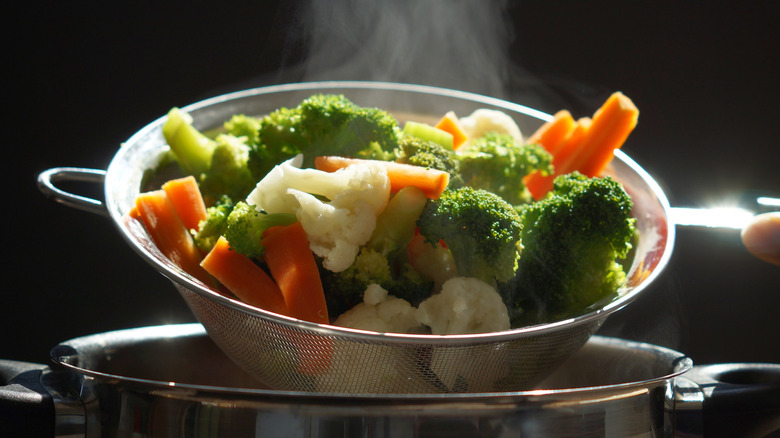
69	355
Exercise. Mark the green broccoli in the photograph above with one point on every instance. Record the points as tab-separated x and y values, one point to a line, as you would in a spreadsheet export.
333	125
279	138
228	172
481	230
245	226
573	239
241	125
191	147
428	154
497	163
214	225
220	165
323	124
344	290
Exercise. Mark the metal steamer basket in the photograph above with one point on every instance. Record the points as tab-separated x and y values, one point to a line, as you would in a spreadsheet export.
289	354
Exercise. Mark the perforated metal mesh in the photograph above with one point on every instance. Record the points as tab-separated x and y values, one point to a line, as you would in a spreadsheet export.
299	357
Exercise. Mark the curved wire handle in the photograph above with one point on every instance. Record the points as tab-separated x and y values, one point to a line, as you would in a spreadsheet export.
47	178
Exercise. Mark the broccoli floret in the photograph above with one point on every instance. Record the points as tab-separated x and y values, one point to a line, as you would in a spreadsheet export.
573	240
428	154
214	225
498	163
333	125
344	290
220	165
245	226
241	125
323	124
279	139
228	172
481	230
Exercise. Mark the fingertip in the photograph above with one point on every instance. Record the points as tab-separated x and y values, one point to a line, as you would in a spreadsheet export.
761	237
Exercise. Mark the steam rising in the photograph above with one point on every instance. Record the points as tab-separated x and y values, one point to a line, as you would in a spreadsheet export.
454	44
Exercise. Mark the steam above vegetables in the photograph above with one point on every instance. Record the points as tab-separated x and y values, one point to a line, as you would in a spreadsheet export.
335	213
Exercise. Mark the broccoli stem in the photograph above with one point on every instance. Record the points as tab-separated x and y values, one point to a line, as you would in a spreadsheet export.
396	224
429	133
193	150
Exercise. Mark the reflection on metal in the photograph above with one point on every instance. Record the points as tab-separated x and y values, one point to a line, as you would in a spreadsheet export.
721	217
724	216
769	202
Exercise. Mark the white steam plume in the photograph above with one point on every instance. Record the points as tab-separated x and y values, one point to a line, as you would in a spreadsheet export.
449	43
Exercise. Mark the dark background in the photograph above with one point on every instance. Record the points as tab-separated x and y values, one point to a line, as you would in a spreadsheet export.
85	78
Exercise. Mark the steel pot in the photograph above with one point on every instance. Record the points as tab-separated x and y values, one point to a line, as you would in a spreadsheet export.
510	360
173	381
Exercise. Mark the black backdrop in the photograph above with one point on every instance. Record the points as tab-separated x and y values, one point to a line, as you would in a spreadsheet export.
84	78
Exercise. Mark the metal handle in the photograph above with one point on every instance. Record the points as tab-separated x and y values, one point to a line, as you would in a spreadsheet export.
735	217
47	178
26	408
725	400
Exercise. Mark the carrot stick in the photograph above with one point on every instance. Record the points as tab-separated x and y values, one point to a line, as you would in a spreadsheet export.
562	161
449	123
187	200
431	181
292	265
241	276
612	124
551	134
294	269
169	233
591	145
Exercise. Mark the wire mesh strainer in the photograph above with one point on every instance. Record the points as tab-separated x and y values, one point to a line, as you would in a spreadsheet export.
288	354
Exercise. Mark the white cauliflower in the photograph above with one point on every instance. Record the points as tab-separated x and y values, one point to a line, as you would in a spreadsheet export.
340	224
485	120
380	312
464	305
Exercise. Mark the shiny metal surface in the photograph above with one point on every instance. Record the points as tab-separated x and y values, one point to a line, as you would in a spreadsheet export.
174	381
510	360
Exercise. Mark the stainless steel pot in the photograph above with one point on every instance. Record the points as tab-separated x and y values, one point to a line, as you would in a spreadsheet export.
173	381
367	362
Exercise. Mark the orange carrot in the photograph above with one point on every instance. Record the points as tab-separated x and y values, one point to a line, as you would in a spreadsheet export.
551	134
590	146
133	213
571	145
539	184
431	181
292	265
612	124
187	200
450	123
294	269
169	233
241	276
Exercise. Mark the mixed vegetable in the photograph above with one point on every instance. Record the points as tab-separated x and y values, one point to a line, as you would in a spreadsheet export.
334	213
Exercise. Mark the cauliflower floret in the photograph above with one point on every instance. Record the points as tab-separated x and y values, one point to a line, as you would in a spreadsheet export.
334	233
464	305
380	312
485	120
364	182
336	226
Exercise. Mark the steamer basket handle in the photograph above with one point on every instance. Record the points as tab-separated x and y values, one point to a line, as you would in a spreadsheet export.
47	178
